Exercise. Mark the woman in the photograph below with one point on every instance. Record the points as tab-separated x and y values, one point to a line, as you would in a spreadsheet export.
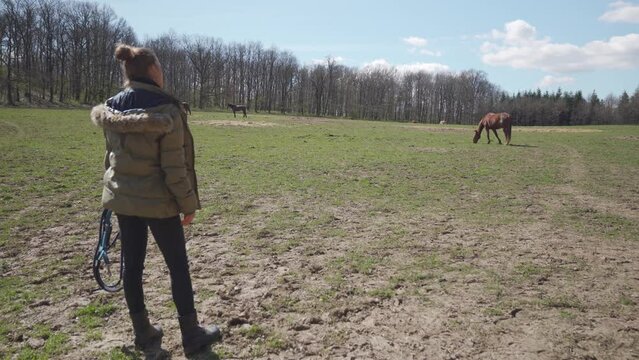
149	181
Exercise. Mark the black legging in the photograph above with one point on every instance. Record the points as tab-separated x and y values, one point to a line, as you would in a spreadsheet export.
169	235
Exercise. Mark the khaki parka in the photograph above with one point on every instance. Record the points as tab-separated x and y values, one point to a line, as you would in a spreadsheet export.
149	161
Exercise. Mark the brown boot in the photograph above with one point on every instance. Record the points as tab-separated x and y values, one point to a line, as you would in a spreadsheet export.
145	333
195	337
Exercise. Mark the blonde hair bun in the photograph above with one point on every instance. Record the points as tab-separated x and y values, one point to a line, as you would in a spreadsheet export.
124	52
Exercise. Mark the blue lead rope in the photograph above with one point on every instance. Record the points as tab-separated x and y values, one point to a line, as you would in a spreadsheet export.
105	236
102	256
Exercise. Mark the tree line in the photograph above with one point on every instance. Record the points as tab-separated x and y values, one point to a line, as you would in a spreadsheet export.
61	52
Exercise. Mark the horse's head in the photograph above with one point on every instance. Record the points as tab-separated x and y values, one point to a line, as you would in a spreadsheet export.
477	136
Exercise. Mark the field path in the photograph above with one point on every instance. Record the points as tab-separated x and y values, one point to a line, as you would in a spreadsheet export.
577	174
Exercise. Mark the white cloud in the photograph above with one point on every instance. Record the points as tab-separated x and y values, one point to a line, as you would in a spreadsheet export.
377	63
418	44
621	11
550	80
406	68
422	67
518	46
517	32
415	41
430	53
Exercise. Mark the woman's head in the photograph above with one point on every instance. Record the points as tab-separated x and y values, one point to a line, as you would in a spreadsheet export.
139	62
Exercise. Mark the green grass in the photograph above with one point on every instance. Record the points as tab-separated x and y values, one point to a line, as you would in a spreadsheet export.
54	346
565	314
528	270
382	293
611	226
626	301
563	302
253	331
387	166
492	311
364	200
92	315
14	295
280	304
355	262
276	342
120	354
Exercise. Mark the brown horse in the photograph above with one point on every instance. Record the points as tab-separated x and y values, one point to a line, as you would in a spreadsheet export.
235	108
492	121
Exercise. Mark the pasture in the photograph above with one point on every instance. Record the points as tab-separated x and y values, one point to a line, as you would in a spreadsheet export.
324	238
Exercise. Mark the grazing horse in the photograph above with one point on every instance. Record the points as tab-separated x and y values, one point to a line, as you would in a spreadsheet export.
492	121
235	108
443	122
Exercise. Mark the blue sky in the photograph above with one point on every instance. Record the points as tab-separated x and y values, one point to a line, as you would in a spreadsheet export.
576	45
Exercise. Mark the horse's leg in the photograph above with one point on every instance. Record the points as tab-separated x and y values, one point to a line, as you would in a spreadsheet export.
507	133
488	134
234	113
498	139
244	111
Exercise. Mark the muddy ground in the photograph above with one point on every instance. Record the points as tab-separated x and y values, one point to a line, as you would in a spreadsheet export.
562	305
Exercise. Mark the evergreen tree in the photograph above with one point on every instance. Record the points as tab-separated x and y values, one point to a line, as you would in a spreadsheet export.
623	109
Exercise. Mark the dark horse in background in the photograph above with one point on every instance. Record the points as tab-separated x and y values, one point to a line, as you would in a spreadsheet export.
492	121
235	108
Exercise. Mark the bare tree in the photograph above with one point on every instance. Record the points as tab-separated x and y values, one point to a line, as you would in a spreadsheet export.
201	53
64	49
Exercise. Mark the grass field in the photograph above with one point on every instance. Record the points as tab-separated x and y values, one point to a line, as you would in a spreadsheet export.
323	238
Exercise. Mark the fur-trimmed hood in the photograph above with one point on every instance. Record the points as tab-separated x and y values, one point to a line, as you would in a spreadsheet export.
131	121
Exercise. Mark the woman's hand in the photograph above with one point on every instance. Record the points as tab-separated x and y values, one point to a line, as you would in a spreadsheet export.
187	219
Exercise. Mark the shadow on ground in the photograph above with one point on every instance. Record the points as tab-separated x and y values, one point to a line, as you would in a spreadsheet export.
155	352
206	354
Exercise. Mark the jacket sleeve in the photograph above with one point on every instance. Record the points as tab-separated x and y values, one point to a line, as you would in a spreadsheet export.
173	163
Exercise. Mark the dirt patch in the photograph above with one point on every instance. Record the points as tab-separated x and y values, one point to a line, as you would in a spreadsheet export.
310	120
627	138
443	289
234	123
430	149
8	129
439	129
554	130
436	129
577	172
